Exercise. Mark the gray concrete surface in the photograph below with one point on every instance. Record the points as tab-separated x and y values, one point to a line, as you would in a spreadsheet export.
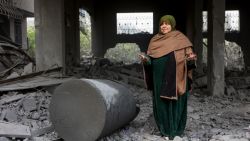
88	109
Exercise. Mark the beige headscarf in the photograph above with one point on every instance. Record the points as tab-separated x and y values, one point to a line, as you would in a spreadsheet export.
162	44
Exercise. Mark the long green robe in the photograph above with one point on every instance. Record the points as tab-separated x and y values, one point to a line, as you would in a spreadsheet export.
170	115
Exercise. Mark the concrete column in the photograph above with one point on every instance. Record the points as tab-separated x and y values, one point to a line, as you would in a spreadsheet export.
97	32
72	33
12	29
197	33
50	35
190	20
216	39
194	29
24	34
88	109
244	33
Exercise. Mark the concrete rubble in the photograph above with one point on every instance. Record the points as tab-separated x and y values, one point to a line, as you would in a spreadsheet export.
225	118
25	116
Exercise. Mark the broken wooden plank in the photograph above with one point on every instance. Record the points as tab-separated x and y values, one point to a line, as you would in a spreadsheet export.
8	129
33	84
29	75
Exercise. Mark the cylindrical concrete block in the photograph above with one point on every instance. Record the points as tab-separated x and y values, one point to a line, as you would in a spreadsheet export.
87	109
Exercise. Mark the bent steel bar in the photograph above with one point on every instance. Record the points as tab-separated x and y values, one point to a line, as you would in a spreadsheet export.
88	109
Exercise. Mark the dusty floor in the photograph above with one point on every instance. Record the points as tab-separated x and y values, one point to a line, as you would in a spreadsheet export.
209	118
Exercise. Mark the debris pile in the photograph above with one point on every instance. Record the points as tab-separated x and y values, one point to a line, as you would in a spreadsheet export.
26	116
13	60
224	118
103	68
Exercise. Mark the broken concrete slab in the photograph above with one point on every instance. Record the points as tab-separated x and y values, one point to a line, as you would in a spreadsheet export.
28	69
40	139
11	116
29	104
3	114
10	99
35	115
8	129
13	75
42	131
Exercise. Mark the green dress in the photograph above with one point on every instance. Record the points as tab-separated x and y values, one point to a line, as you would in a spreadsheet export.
170	115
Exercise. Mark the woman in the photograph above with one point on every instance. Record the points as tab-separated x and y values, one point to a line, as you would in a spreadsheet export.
168	52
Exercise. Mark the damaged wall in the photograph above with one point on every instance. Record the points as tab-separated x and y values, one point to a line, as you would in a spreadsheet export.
104	22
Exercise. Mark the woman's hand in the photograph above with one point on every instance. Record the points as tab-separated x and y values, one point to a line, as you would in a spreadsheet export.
192	56
143	57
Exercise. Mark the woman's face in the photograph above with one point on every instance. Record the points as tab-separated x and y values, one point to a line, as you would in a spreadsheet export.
165	28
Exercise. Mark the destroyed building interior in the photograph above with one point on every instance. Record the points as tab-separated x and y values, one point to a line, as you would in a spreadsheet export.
58	91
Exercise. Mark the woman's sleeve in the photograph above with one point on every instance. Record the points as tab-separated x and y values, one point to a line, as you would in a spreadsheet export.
148	74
